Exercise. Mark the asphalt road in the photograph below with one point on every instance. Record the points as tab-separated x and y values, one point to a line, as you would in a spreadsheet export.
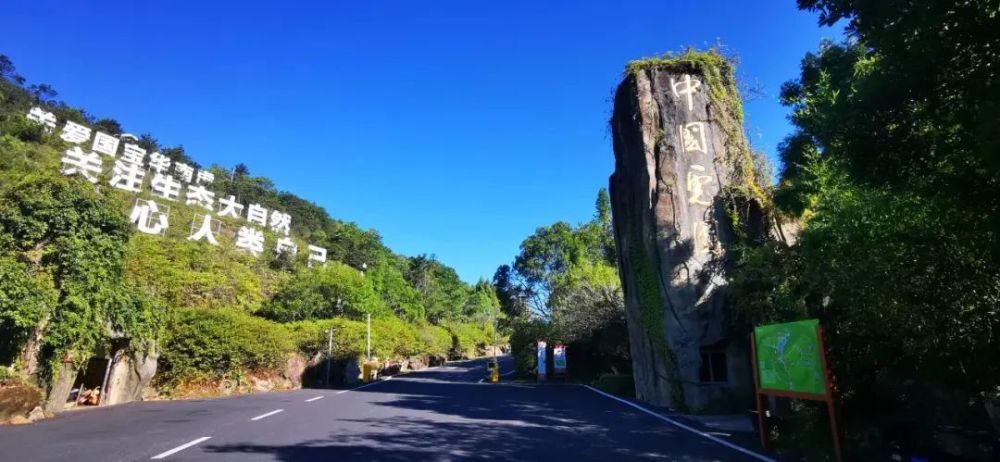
442	414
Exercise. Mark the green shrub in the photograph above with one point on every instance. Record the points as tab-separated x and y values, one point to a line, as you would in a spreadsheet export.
211	344
616	384
435	340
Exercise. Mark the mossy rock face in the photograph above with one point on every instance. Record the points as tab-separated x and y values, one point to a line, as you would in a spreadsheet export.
680	154
18	399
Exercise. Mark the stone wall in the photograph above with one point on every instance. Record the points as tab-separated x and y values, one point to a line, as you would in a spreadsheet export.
679	147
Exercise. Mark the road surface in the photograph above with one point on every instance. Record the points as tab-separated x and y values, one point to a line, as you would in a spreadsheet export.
442	414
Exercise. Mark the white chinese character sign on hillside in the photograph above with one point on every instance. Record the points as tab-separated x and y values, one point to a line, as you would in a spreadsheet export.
74	133
165	186
127	176
133	154
286	245
205	177
129	172
316	254
228	207
105	144
257	214
148	218
198	195
250	240
86	164
43	117
183	171
159	163
207	230
281	222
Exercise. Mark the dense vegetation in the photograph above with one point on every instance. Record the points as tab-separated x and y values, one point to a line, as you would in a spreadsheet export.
75	280
893	173
564	287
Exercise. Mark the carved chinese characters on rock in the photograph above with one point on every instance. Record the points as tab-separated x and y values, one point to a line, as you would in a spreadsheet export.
696	159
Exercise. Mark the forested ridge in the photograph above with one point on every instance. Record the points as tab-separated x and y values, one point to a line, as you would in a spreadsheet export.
77	281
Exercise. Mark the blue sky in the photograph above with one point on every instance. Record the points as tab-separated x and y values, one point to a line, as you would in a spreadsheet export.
453	128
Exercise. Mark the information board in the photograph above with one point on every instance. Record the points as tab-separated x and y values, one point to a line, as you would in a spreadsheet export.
788	357
559	358
541	359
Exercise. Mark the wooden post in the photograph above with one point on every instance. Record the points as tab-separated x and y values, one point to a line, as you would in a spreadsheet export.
756	393
830	407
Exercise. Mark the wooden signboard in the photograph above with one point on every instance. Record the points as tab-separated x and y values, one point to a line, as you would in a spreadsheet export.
789	360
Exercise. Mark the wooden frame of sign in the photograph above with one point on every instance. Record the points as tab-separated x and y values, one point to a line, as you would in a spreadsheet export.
826	397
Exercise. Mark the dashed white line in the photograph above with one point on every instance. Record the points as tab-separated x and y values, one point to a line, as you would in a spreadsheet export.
180	448
269	414
314	399
685	427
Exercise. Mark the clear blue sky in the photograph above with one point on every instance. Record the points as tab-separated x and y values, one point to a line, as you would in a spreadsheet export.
454	128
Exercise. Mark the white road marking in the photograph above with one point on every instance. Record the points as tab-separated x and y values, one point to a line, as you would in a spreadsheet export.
314	399
269	414
365	385
685	427
508	373
180	448
480	381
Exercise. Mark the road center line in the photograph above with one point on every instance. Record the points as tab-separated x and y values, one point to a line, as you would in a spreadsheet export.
685	427
269	414
314	399
180	448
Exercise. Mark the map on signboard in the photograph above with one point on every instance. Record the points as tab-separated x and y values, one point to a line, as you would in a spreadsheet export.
788	357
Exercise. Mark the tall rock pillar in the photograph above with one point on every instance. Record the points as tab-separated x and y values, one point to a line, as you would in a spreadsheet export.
679	149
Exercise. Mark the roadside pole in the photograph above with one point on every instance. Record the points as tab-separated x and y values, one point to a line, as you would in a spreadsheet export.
369	340
329	354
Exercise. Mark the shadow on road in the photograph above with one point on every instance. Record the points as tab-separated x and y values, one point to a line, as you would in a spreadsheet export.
429	418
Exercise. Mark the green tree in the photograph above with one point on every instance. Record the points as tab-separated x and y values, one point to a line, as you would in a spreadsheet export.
73	235
893	173
322	293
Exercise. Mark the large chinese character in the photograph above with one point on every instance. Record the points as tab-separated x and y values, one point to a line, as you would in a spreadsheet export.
127	176
147	217
74	133
696	186
286	245
693	137
105	144
159	163
77	162
257	214
250	240
229	207
133	154
166	186
199	195
41	116
206	231
183	171
280	222
205	177
316	254
686	87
